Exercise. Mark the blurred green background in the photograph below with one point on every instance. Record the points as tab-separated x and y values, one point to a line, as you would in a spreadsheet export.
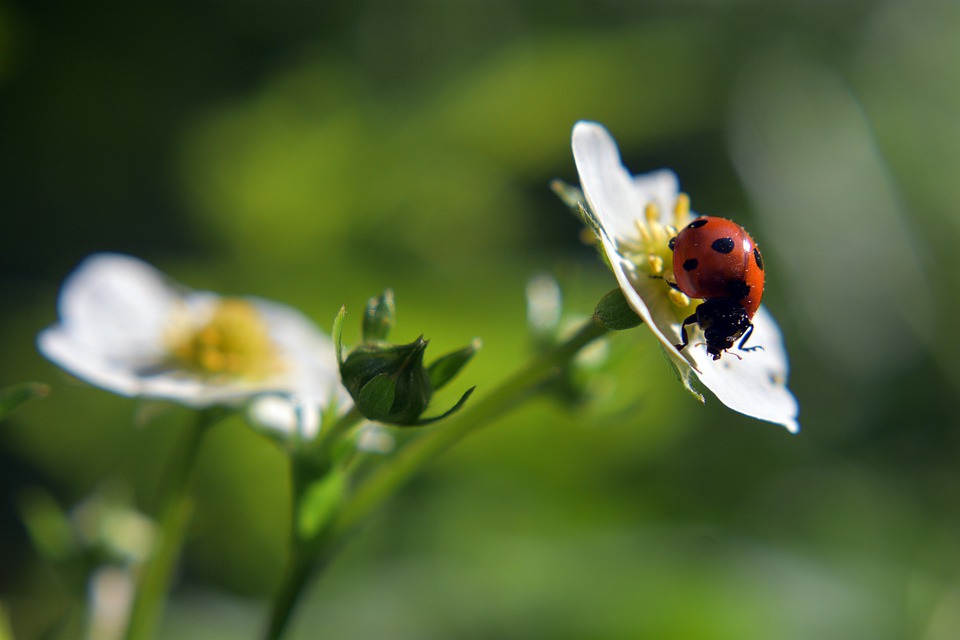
315	153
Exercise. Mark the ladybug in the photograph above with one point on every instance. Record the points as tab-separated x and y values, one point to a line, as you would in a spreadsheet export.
717	260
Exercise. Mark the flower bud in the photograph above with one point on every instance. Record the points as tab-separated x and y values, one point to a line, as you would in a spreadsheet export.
379	317
390	383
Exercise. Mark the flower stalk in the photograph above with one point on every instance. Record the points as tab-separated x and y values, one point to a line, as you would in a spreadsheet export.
176	507
393	474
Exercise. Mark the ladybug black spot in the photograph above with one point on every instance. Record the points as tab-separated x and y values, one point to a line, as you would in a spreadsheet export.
696	224
738	289
690	264
758	258
723	245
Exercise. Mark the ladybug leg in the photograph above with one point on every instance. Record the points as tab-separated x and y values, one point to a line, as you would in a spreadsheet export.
672	285
692	319
746	336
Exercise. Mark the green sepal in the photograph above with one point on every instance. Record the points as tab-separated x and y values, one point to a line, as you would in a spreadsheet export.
377	396
13	397
450	411
337	333
569	194
379	317
446	367
614	312
319	503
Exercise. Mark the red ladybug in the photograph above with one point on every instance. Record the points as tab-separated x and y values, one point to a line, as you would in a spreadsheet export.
715	259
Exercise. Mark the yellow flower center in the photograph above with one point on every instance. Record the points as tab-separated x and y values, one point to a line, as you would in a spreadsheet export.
651	253
234	342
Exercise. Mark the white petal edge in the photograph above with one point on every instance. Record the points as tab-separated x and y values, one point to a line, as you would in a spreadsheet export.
607	185
116	305
756	384
112	310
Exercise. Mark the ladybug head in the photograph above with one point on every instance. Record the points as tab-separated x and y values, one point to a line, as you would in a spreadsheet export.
717	343
722	321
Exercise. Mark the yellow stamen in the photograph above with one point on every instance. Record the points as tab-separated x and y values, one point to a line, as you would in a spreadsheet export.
642	230
655	263
679	298
652	212
681	210
234	342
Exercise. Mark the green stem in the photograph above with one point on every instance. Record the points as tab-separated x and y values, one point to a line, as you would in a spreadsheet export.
304	564
328	439
291	588
396	472
174	516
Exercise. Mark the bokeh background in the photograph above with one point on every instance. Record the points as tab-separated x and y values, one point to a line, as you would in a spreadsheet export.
315	153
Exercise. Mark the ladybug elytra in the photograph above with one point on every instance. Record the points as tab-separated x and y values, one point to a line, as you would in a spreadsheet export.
716	259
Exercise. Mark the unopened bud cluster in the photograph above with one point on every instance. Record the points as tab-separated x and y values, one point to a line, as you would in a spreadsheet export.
390	383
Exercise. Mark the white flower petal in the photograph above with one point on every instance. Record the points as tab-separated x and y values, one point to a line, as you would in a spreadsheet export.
86	363
116	305
617	200
309	354
756	384
112	310
375	438
287	415
607	185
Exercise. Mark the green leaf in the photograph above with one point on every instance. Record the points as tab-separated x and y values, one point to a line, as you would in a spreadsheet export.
13	397
377	396
319	504
614	313
446	367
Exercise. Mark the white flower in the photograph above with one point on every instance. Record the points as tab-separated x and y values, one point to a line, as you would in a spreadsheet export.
634	218
126	328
